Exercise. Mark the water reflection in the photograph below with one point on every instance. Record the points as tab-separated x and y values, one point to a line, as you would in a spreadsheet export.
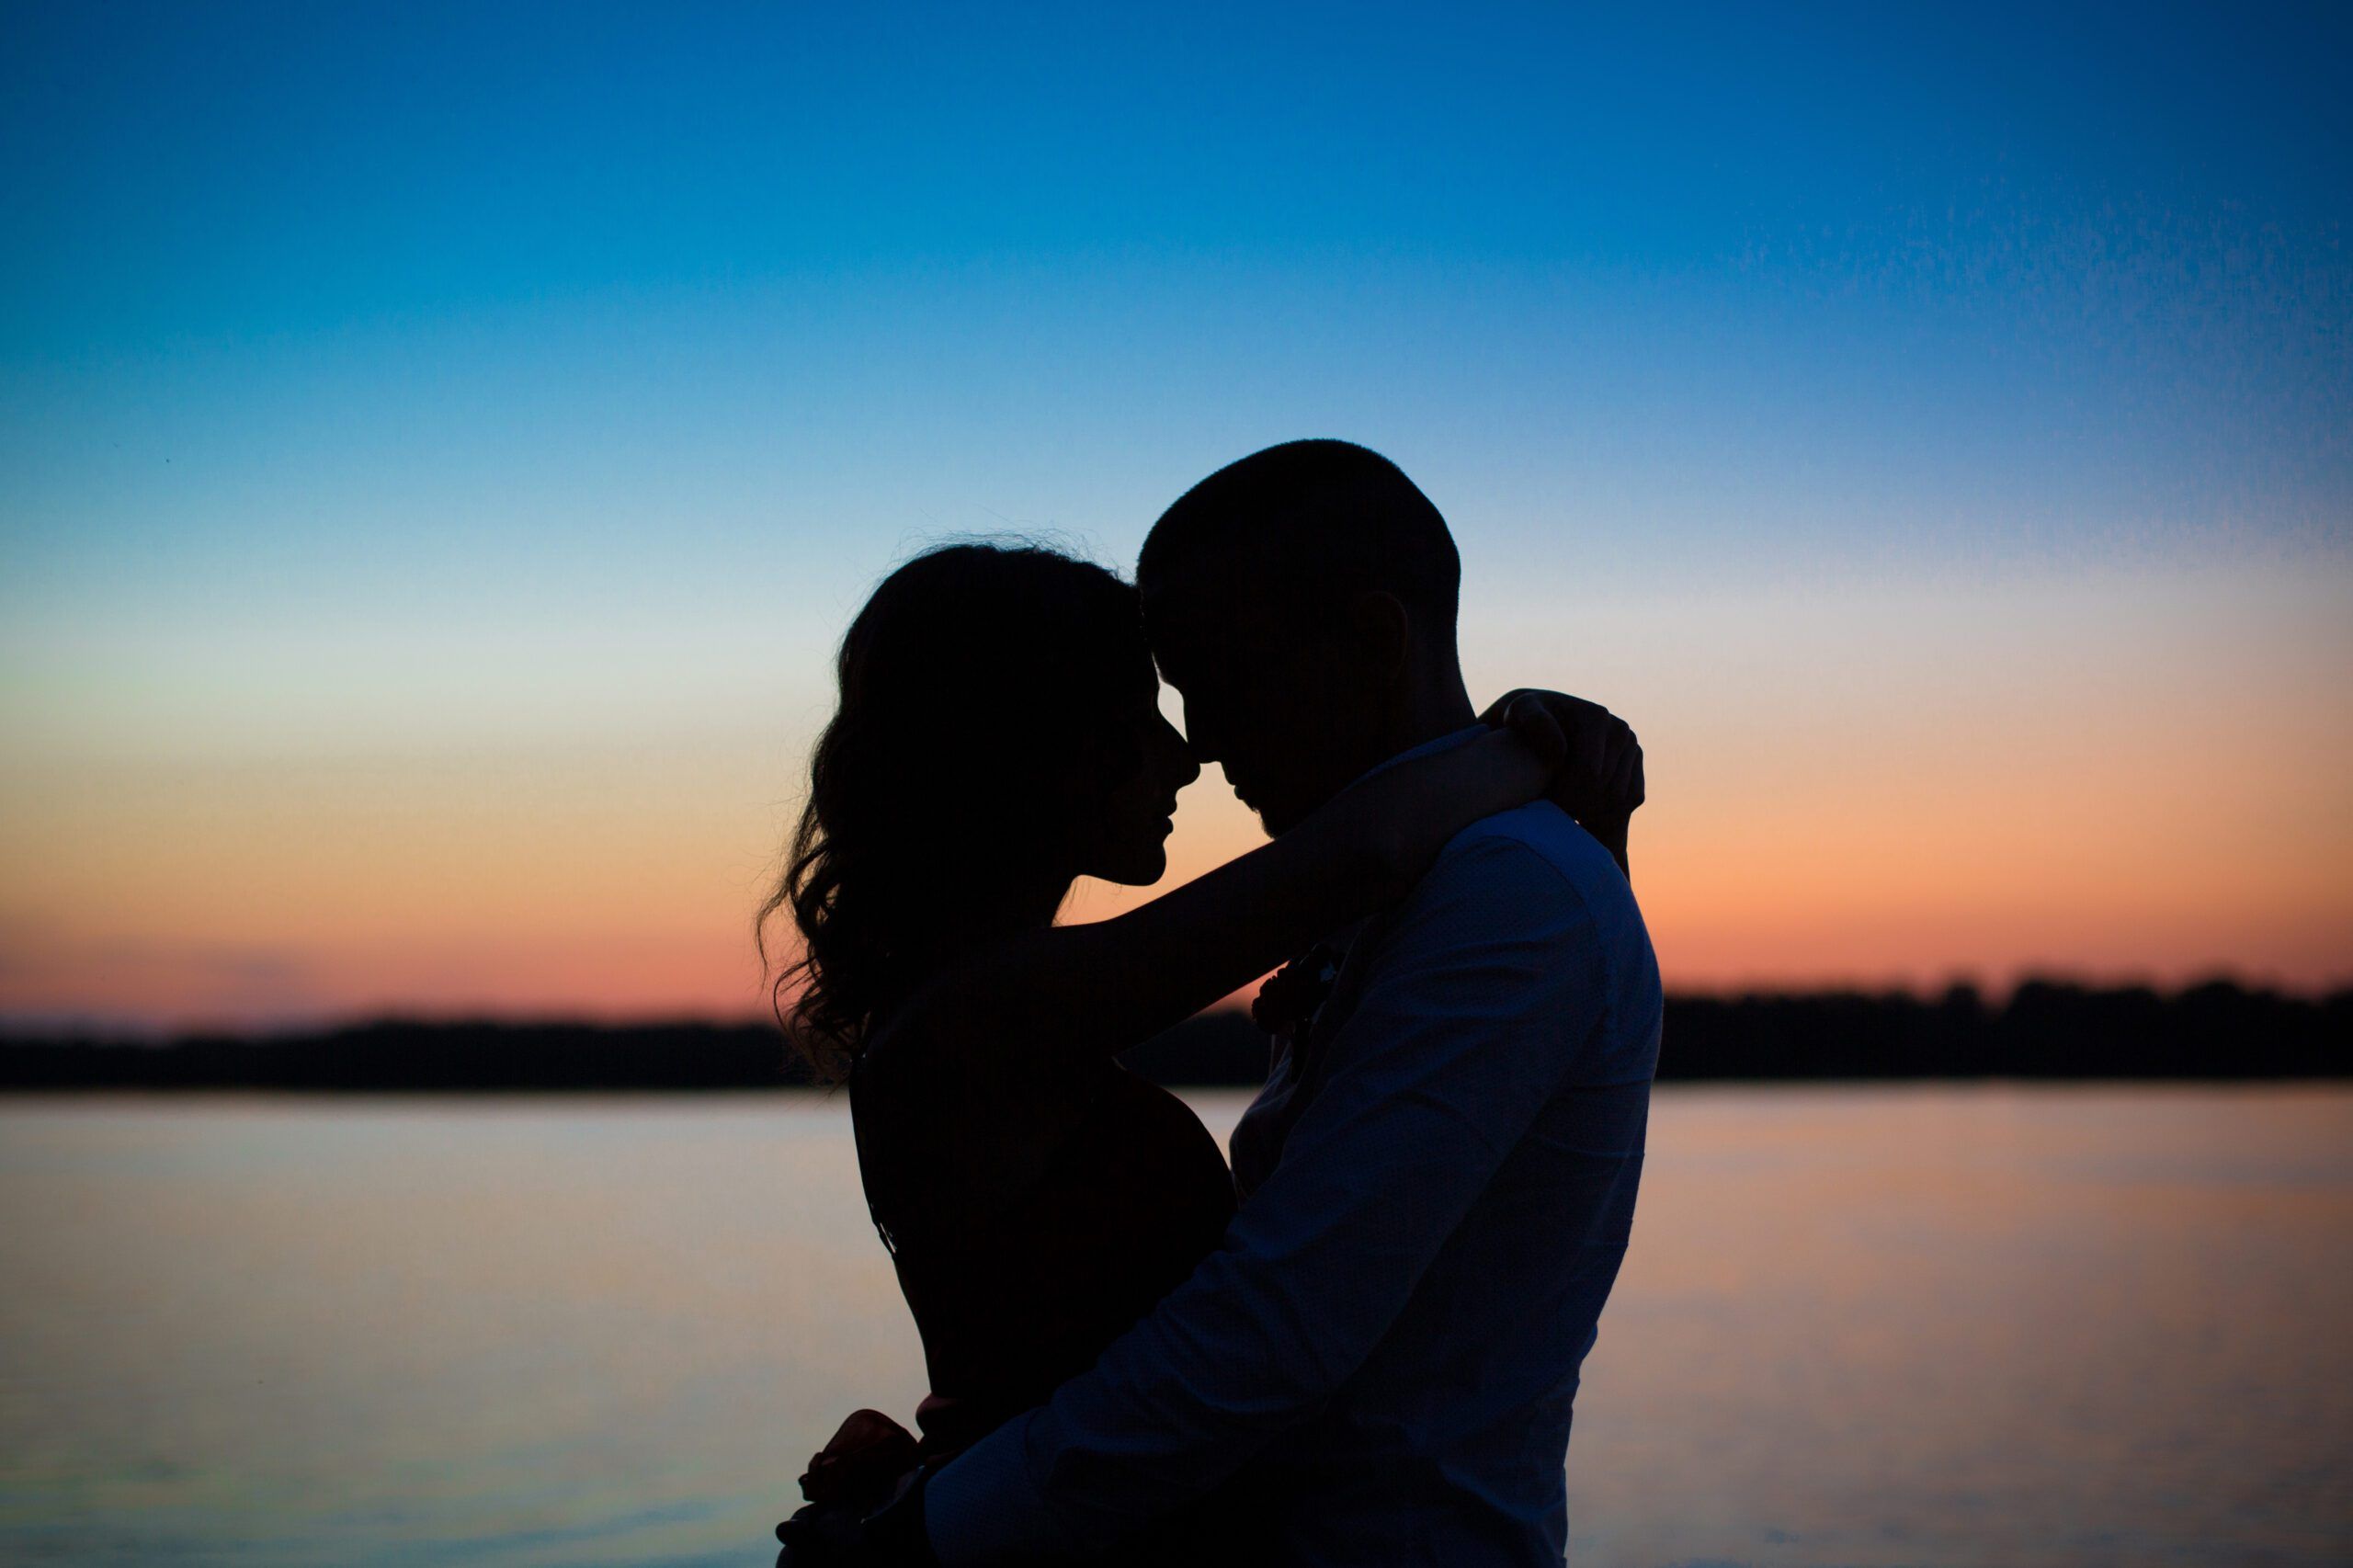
1883	1325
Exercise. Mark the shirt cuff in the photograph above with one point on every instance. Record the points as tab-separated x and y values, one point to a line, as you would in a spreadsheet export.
982	1508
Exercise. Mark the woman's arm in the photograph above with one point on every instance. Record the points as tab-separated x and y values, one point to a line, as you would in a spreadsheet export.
1094	990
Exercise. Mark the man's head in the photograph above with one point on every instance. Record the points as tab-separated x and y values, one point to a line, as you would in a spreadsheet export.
1302	602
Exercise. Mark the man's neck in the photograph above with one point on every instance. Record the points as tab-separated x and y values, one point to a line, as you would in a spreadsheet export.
1434	709
1440	706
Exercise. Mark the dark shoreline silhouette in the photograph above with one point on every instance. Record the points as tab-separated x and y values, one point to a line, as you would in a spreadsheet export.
2045	1030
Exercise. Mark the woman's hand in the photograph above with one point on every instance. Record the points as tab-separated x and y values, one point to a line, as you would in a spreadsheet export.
870	1463
1599	777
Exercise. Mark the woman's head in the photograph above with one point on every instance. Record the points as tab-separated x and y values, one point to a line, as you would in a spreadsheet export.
997	734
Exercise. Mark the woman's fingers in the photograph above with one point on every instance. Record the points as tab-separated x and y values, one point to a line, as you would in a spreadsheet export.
1618	781
1597	759
1493	715
1629	774
1590	749
1538	730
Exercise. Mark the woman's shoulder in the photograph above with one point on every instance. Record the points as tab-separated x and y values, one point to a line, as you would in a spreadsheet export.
908	1049
888	1076
930	1054
908	1133
949	1063
952	1033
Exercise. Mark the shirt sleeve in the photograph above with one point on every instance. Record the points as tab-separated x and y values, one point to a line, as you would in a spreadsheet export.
1485	989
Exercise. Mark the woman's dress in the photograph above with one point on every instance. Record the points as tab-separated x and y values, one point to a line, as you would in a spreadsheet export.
1023	1254
1016	1291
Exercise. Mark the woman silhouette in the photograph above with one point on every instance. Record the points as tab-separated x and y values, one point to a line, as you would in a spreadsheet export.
998	736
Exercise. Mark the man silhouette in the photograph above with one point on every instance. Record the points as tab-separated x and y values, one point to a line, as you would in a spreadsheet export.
1441	1174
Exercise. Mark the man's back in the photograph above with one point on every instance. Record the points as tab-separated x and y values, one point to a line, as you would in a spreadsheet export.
1445	1444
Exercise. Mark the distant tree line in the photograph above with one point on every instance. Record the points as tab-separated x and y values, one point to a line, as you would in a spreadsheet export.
2045	1030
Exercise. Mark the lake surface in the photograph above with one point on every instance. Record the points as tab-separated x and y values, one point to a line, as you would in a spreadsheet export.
2048	1325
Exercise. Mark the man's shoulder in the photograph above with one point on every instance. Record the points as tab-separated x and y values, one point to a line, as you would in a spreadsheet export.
1537	872
1539	848
1539	882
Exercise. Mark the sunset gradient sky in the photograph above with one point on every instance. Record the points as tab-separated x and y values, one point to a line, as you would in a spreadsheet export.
441	447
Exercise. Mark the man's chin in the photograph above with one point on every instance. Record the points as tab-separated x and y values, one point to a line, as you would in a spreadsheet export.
1277	817
1277	820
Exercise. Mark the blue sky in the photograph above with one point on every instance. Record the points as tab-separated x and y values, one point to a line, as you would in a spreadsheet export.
2083	277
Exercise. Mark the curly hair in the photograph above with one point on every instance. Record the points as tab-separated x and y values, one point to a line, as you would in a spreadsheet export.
973	685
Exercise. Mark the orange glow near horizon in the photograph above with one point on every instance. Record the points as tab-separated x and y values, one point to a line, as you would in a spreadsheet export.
1907	824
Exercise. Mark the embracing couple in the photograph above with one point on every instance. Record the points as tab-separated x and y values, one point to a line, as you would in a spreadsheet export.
1360	1345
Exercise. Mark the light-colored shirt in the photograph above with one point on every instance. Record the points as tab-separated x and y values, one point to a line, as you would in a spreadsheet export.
1391	1333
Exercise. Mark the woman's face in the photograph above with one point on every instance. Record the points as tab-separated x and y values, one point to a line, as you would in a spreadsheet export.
1141	762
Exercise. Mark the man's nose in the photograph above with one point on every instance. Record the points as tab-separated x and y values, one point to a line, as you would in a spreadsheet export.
1201	740
1186	762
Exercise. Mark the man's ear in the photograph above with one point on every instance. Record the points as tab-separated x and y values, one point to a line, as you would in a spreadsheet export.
1382	628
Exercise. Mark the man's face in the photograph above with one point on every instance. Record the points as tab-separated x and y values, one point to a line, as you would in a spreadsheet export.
1286	711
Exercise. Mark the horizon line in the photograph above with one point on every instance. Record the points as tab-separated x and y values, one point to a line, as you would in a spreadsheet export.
33	1024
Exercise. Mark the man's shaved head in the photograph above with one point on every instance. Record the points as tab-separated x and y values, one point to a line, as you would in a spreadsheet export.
1312	524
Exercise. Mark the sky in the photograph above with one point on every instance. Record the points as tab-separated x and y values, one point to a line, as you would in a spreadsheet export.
441	447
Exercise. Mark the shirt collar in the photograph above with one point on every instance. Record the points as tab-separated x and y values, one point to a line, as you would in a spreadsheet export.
1443	743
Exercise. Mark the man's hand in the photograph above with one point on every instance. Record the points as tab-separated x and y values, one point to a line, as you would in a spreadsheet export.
839	1535
1601	782
821	1535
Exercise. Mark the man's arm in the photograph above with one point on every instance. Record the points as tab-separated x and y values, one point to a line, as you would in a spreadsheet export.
1482	994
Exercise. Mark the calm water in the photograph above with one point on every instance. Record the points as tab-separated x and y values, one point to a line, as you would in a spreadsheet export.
1857	1326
